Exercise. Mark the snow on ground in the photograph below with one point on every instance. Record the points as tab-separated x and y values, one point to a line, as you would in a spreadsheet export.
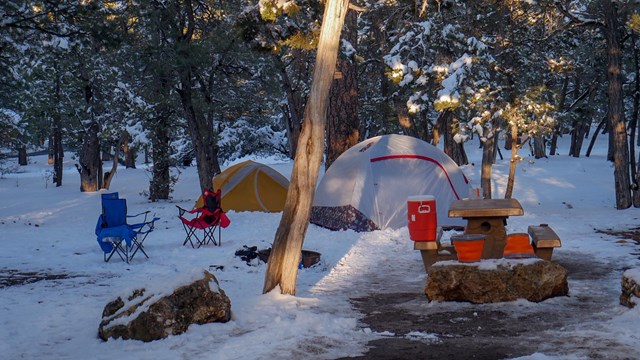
50	230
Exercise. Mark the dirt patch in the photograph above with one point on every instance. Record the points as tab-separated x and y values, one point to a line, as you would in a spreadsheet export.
630	234
11	277
412	328
624	236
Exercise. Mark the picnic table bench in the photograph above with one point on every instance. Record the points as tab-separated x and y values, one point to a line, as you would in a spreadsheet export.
434	251
544	240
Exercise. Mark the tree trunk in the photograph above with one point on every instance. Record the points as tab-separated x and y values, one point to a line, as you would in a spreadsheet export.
595	136
50	150
561	102
427	133
90	165
282	267
406	123
343	126
146	154
488	158
579	132
633	125
435	139
56	146
636	190
129	152
454	149
108	176
576	126
508	141
616	108
200	127
160	185
496	147
553	147
513	162
22	156
632	136
294	109
539	148
58	151
202	135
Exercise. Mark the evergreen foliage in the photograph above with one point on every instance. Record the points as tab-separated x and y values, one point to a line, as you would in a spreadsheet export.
121	68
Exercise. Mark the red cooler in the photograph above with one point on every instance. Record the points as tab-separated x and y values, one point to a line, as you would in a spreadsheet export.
422	216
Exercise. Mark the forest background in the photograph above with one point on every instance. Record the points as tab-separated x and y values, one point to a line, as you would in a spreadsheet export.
212	81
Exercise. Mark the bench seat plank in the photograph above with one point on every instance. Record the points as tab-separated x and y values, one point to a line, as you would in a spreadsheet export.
544	240
544	236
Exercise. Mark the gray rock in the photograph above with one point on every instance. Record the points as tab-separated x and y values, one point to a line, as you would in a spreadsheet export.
497	281
630	290
146	316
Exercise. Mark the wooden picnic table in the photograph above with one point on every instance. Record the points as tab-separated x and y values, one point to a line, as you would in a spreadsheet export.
487	217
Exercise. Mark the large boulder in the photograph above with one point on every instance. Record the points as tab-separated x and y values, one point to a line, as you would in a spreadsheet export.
147	315
630	288
491	281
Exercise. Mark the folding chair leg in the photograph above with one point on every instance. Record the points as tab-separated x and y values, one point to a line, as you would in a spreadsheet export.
190	233
137	246
137	243
209	236
122	251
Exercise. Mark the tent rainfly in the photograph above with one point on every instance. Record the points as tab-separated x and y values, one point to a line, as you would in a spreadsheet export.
367	187
251	186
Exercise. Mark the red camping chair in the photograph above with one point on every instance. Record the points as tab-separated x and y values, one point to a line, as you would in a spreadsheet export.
206	219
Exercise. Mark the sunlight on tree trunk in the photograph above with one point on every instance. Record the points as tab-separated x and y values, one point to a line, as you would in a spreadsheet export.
514	161
487	166
406	124
108	176
90	164
282	267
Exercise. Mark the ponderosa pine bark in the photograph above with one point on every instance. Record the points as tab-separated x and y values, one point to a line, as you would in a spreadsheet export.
343	126
293	111
90	164
616	108
282	268
160	185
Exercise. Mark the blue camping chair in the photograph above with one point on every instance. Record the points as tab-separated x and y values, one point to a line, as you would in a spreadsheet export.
115	235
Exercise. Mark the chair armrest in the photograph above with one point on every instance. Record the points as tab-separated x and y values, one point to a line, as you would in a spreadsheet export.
140	227
182	211
146	213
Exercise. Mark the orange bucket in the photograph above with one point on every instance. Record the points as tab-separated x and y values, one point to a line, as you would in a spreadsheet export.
468	246
518	245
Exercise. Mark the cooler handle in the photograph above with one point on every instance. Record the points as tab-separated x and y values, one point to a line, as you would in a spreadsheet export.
421	209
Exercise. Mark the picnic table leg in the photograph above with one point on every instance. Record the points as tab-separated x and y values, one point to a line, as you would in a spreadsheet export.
495	232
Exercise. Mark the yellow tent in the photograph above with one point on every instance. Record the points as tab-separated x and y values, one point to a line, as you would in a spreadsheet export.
251	186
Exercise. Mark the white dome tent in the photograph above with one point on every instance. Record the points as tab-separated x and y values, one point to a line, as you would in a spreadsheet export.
367	187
